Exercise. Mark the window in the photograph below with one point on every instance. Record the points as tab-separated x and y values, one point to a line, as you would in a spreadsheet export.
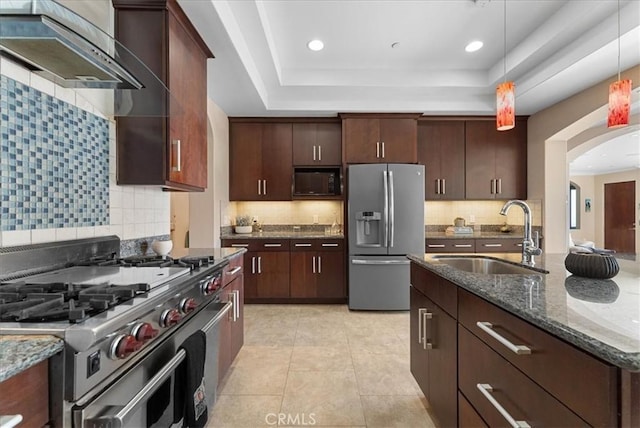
574	206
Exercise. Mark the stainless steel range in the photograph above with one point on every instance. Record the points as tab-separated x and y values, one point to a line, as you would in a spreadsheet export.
125	323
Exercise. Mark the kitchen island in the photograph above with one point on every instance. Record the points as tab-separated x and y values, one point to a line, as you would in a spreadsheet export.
575	340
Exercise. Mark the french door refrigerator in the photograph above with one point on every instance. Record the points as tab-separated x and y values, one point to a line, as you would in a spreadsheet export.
386	222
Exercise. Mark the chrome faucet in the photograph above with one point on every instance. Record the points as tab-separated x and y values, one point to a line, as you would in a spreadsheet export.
529	248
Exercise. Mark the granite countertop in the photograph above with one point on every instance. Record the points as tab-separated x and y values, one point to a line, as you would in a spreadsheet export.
281	235
601	317
18	353
475	235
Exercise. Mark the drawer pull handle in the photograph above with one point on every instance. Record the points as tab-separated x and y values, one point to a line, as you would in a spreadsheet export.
301	245
240	245
435	245
492	245
330	245
486	390
462	245
235	270
272	245
487	327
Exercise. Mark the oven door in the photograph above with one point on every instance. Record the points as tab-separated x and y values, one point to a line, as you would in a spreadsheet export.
144	395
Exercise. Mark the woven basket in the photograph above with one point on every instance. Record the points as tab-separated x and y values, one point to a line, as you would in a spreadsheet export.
600	266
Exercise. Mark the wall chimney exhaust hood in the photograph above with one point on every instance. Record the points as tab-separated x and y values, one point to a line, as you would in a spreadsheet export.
59	45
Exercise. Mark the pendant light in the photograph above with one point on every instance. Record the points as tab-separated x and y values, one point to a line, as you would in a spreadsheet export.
619	95
505	92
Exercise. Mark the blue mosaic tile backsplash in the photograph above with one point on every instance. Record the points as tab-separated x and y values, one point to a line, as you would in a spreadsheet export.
54	162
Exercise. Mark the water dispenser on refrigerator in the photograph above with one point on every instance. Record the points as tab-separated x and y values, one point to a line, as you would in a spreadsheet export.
369	229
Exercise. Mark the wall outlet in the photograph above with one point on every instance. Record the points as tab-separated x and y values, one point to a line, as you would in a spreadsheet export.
472	218
315	219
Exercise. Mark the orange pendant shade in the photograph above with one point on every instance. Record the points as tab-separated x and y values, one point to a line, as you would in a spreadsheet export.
619	103
505	103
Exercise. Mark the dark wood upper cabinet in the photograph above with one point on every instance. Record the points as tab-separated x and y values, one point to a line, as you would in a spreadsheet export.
496	161
165	150
317	144
441	149
260	161
380	138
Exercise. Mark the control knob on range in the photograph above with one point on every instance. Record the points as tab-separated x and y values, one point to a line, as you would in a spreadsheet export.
188	305
170	317
123	346
211	285
144	331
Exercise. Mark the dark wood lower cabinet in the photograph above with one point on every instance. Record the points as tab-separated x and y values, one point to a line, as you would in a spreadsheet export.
318	274
523	399
467	415
434	356
231	326
27	394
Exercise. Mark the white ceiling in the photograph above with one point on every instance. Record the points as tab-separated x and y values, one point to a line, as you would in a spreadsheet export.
263	67
555	49
621	153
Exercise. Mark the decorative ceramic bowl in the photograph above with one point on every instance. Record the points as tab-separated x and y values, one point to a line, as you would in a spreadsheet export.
244	229
162	248
600	266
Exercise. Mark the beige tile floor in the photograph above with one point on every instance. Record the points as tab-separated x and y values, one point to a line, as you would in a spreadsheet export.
324	366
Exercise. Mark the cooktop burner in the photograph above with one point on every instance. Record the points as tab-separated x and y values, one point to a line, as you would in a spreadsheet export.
75	293
24	301
192	262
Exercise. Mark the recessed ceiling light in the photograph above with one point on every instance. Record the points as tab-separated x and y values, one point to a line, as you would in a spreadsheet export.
315	45
474	46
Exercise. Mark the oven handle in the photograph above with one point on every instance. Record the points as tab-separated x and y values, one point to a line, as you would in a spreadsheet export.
218	317
119	420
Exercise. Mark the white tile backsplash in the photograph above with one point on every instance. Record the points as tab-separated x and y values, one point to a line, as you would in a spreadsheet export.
135	211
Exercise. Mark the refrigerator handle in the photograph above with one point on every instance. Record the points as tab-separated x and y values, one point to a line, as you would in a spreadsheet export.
386	208
392	209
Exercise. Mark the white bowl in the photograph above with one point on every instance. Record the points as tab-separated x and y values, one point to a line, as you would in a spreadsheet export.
244	229
162	248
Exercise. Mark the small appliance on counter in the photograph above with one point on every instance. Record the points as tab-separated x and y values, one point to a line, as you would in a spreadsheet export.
459	230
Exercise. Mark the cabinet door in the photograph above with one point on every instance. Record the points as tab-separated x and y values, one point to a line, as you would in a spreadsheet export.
27	394
276	161
224	349
245	160
361	140
440	331
303	274
398	140
511	162
317	144
250	275
187	123
480	159
419	355
331	274
273	274
441	151
237	323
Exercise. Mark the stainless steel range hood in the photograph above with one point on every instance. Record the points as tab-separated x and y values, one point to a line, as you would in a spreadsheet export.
54	51
60	45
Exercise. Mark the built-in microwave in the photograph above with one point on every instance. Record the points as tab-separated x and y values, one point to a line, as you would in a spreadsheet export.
317	181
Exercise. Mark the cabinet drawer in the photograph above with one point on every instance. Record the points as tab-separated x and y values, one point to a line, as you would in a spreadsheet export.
317	244
258	244
480	368
497	245
450	245
467	415
27	394
439	290
557	366
233	269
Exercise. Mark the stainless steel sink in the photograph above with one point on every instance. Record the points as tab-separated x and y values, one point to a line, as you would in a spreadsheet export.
484	265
